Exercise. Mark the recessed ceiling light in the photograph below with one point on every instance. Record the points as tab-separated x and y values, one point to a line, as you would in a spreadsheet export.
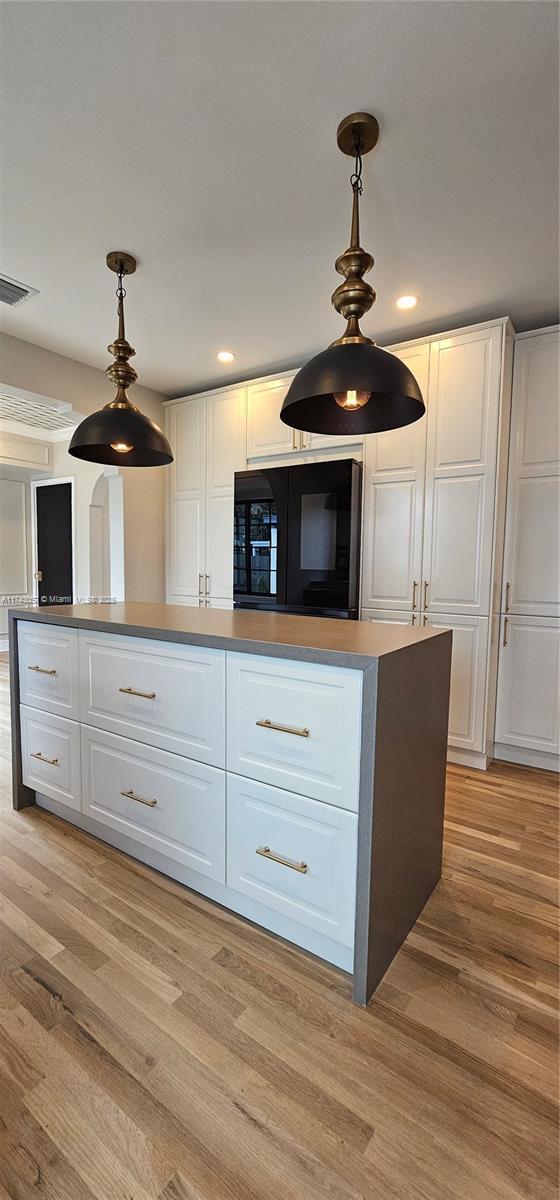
225	356
407	301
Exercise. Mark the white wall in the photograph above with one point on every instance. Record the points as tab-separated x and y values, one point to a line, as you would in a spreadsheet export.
14	545
34	369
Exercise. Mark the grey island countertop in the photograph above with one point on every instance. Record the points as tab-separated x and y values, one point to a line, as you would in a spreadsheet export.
314	639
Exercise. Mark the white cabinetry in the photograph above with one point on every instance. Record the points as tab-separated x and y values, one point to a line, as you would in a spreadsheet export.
268	436
266	433
433	515
528	680
208	438
393	488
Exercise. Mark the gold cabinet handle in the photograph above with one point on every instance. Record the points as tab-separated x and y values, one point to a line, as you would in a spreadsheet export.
426	586
200	578
294	447
425	619
43	670
414	591
507	597
207	585
129	691
413	622
131	795
266	852
266	724
505	631
53	762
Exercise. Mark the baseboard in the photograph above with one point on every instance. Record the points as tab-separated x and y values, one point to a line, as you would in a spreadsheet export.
527	758
470	758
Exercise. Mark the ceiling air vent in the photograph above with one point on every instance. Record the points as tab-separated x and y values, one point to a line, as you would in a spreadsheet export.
12	292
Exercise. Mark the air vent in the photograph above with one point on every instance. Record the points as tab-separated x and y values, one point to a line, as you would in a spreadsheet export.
12	292
41	416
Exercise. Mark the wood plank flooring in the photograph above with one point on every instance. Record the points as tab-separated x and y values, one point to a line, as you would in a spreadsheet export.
154	1047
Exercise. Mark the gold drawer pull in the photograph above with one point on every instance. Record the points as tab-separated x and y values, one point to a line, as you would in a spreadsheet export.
128	691
43	670
266	852
266	724
53	762
131	795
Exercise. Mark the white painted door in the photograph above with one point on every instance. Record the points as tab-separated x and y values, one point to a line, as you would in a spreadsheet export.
393	511
266	433
225	454
467	702
527	711
187	501
532	558
463	411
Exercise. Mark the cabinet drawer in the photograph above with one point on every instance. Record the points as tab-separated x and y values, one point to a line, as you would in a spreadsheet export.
171	804
50	755
48	668
296	725
168	695
315	883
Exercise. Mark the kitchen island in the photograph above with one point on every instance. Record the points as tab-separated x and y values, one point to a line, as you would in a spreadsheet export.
289	768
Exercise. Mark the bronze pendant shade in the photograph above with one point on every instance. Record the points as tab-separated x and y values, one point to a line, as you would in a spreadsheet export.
119	435
353	387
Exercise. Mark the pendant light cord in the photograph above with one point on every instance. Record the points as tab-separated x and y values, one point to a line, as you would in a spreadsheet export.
356	177
120	294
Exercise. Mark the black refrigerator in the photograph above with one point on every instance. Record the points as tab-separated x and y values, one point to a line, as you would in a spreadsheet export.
296	540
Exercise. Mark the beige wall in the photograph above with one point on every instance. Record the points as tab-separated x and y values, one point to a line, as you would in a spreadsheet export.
33	369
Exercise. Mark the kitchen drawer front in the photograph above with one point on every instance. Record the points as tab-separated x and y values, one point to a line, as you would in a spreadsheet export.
318	838
324	701
50	755
177	697
187	822
49	668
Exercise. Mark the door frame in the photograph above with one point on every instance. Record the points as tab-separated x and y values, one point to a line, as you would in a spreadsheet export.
37	483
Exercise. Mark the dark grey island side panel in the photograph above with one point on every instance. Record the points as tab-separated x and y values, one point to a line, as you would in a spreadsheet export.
402	793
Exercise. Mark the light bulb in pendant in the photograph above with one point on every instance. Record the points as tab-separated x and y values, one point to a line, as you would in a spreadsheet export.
351	399
121	447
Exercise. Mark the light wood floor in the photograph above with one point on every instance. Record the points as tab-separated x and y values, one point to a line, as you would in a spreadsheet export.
153	1047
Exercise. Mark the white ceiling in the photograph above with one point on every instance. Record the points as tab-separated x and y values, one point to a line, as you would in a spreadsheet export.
201	138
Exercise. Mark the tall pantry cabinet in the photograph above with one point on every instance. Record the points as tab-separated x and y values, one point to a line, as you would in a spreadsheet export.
527	713
434	507
207	434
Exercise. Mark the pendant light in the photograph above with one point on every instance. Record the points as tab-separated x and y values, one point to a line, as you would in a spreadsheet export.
119	434
354	387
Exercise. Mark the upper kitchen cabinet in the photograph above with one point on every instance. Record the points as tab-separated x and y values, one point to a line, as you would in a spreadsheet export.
464	408
393	488
268	436
531	562
266	433
207	434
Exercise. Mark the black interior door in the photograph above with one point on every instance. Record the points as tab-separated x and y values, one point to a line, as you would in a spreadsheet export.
54	543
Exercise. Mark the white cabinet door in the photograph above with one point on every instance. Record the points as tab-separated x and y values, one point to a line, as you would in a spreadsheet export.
532	554
330	441
266	433
296	725
225	451
467	702
394	505
50	756
397	617
463	411
529	684
171	804
49	673
187	500
294	855
163	693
